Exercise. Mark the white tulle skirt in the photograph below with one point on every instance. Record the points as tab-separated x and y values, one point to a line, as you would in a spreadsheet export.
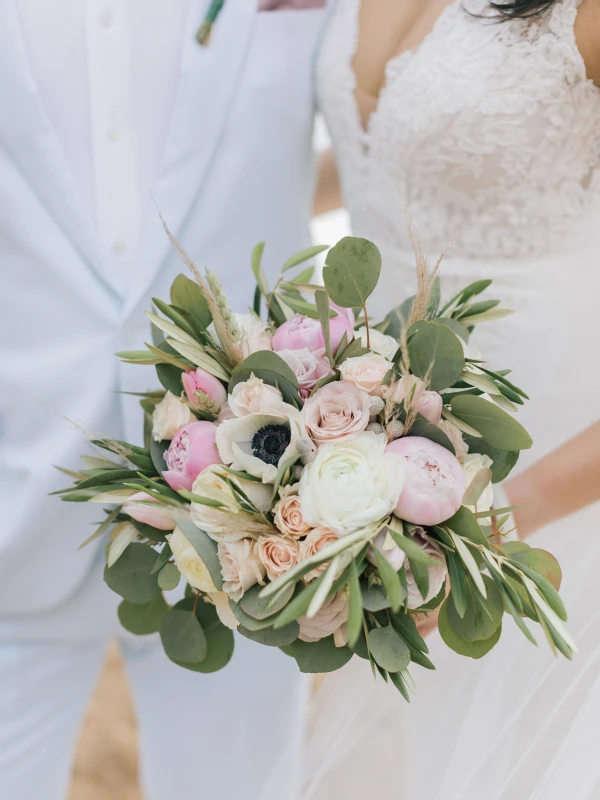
520	723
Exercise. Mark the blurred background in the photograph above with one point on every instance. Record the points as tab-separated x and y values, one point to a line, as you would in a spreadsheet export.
106	765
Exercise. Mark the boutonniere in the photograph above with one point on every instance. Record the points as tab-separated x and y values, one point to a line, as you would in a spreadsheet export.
204	31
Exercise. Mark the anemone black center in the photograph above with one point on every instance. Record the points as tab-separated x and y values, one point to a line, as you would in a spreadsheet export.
270	443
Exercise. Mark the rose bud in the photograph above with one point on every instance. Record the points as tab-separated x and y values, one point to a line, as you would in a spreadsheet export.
201	381
156	515
301	332
191	451
434	481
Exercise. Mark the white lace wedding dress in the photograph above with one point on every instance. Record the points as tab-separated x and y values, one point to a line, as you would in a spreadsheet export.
487	137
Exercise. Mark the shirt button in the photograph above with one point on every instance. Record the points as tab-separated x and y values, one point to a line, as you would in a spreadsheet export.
113	135
119	247
106	18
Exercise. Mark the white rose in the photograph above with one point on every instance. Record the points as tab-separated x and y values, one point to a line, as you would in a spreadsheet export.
169	416
254	396
240	567
351	484
228	522
330	619
224	612
386	346
189	563
257	443
472	465
257	336
367	372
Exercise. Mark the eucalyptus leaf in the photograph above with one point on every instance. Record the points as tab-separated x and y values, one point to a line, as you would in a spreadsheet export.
270	637
170	378
260	608
182	636
321	656
476	649
351	272
142	619
497	427
477	623
393	588
503	460
388	648
169	577
374	598
157	451
186	294
422	427
407	628
132	577
272	369
435	354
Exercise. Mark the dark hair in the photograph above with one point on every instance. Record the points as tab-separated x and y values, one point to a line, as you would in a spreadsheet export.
515	9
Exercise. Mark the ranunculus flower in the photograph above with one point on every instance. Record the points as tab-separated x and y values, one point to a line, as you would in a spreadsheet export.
169	416
288	516
388	547
317	539
351	484
257	443
337	411
472	465
254	396
385	345
367	372
435	481
228	522
437	571
461	448
224	612
308	367
301	332
412	389
192	450
198	383
240	567
157	515
278	553
330	619
189	563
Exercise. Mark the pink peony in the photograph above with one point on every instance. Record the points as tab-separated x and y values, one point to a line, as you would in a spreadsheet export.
156	515
301	332
308	367
191	451
336	411
434	483
201	381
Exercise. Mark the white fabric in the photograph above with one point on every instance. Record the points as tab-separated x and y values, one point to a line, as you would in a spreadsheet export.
486	137
107	73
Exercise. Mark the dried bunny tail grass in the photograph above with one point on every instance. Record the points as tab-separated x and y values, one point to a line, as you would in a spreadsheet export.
426	276
221	300
224	323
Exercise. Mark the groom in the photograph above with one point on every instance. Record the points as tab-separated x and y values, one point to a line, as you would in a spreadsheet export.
106	106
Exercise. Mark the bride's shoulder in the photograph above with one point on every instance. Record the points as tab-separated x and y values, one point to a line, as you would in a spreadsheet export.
587	36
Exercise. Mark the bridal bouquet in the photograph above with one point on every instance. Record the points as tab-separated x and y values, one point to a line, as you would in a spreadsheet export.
320	482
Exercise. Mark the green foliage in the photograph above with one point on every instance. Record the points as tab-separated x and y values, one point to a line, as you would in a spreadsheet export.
170	377
260	608
422	427
321	656
355	612
497	428
271	637
451	638
393	588
169	577
374	597
503	460
351	272
273	370
132	577
157	451
465	524
304	255
143	619
322	301
186	294
482	615
205	547
435	354
388	648
182	636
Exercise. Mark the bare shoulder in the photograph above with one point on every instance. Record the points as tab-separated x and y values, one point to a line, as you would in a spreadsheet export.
587	34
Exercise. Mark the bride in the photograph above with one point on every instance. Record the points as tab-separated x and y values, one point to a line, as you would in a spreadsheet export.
480	123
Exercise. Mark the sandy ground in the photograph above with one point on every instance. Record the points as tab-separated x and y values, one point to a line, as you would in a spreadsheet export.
106	761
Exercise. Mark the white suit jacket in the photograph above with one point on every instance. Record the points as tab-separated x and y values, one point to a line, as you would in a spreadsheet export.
237	169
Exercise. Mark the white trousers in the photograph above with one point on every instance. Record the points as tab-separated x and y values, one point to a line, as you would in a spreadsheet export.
200	736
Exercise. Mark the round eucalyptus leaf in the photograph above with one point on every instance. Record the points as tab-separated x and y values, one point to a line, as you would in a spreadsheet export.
249	622
496	426
360	647
272	638
131	576
272	369
186	294
321	656
182	636
388	649
422	427
435	353
475	649
142	619
351	271
169	577
260	608
219	638
540	561
482	615
170	377
374	598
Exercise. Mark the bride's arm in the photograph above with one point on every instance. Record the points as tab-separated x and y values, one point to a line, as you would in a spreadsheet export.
328	195
559	484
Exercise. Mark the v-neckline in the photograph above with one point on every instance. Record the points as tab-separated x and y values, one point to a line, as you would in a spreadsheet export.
392	63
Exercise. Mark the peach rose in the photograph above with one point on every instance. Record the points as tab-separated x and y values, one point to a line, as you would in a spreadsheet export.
277	553
288	516
367	372
330	619
336	411
316	540
240	567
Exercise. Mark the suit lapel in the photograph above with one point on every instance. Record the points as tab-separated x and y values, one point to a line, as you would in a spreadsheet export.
27	134
209	77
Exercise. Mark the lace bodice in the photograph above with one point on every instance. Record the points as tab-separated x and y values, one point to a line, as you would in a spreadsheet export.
487	136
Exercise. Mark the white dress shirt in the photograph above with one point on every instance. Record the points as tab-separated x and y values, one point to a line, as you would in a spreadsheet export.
107	72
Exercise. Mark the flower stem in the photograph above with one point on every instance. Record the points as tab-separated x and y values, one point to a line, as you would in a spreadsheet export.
367	325
204	31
